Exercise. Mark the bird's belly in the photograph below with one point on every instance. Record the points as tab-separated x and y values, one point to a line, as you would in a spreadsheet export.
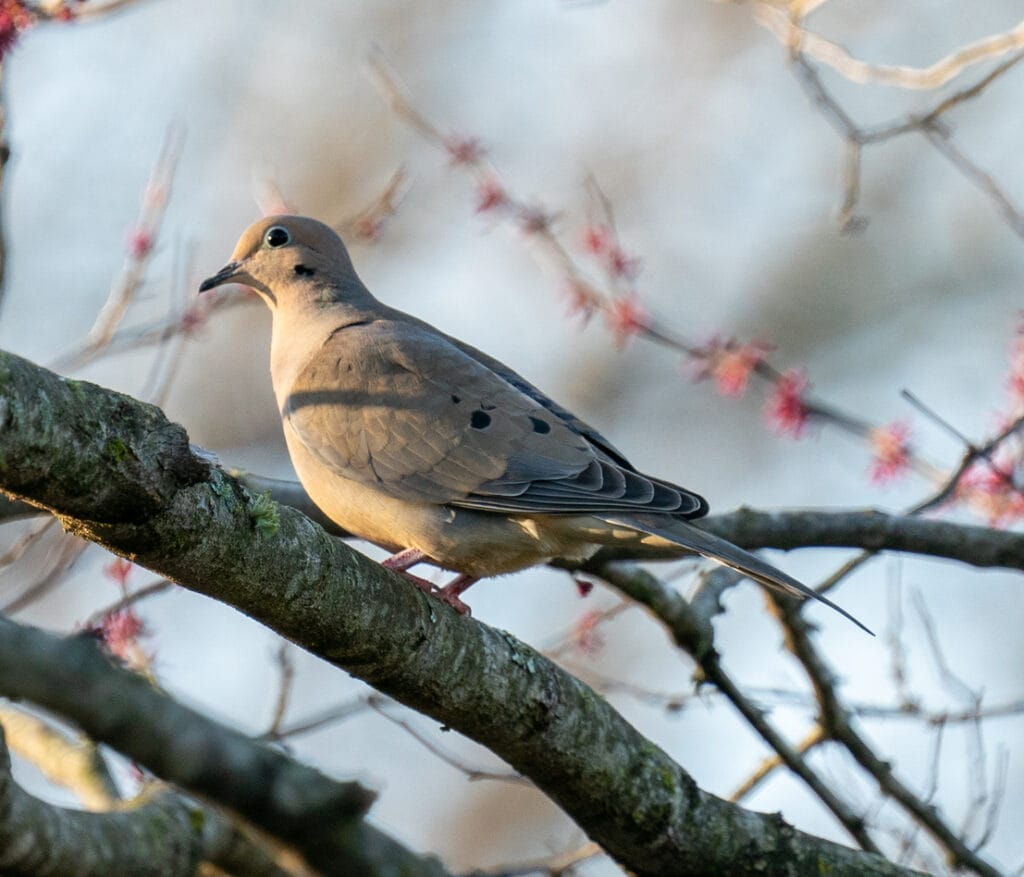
478	543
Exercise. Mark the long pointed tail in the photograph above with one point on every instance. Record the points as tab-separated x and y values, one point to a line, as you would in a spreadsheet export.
688	536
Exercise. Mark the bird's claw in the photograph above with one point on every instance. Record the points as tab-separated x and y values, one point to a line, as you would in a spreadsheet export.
453	601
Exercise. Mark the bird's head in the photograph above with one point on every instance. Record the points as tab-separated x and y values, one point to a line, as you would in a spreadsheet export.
289	256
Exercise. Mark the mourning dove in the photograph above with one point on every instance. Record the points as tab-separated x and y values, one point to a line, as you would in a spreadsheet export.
419	443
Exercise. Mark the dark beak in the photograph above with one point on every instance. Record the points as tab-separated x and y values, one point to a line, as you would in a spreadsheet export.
221	277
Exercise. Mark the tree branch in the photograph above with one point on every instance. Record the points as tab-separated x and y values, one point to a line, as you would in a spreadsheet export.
320	816
693	633
160	832
75	764
117	473
156	837
838	725
872	530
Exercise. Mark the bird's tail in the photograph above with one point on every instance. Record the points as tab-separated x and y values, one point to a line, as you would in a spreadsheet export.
688	536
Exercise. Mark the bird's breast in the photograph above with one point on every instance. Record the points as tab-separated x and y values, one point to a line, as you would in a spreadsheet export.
467	541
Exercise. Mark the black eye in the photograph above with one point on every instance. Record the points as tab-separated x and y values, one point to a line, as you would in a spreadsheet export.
277	236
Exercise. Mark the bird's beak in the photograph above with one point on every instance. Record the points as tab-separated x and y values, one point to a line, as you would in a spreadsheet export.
226	274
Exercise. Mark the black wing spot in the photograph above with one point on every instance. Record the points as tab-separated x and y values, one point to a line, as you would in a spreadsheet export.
304	271
456	399
480	420
540	426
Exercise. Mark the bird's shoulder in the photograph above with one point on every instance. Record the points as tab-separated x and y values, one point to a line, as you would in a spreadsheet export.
397	347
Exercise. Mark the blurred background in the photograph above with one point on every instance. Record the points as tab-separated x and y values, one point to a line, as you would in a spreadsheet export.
726	183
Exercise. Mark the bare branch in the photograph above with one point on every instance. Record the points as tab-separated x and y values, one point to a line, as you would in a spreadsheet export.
835	720
75	764
786	28
695	636
140	247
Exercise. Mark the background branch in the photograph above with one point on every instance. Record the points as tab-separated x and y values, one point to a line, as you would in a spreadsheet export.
321	817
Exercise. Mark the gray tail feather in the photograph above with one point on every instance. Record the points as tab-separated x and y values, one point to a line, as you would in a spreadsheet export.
703	542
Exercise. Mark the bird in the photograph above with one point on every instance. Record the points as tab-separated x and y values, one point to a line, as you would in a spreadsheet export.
417	442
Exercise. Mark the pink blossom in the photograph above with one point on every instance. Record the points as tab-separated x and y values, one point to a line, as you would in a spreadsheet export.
118	570
626	316
120	632
730	364
14	18
891	450
785	408
583	300
490	195
989	488
140	242
597	239
585	634
463	150
621	265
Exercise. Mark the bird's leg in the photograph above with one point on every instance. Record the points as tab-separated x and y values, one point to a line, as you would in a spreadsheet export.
450	593
400	564
401	561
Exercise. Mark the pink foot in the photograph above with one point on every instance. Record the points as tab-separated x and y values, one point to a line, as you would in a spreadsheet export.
450	593
404	559
400	564
422	584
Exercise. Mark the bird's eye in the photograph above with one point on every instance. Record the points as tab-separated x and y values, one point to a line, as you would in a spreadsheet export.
277	236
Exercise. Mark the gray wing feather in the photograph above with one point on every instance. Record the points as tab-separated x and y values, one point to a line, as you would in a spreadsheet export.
426	419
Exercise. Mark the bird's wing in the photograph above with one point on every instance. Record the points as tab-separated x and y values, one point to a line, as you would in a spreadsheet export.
520	383
396	405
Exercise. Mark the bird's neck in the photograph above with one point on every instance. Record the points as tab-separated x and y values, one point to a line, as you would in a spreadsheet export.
303	324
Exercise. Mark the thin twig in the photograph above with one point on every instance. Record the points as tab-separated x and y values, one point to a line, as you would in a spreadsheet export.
129	599
835	719
320	720
286	673
473	774
695	636
67	554
767	767
145	233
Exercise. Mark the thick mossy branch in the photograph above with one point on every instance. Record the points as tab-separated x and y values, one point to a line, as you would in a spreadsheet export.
102	457
200	527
